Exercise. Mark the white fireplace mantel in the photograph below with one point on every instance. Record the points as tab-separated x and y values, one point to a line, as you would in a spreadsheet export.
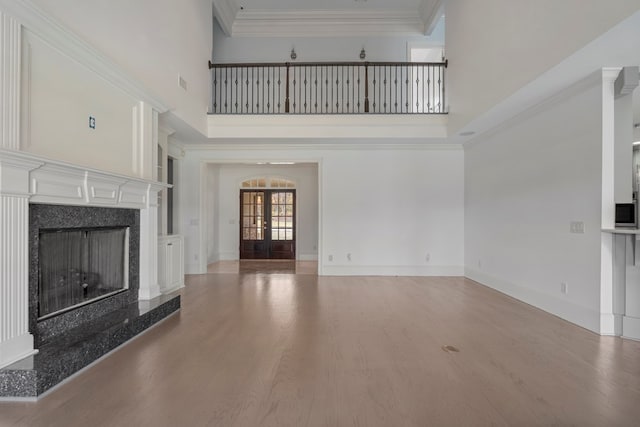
25	179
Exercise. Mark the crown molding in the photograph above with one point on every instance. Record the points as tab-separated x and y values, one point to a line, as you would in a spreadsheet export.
430	12
323	23
36	21
225	12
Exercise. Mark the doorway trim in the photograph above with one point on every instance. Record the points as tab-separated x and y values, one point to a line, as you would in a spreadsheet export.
201	255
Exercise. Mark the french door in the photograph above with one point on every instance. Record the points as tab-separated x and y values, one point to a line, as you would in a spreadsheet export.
267	224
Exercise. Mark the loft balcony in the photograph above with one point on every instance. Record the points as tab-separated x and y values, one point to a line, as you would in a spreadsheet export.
328	99
329	88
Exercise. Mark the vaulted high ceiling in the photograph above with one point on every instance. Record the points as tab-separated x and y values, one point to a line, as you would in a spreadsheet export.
313	18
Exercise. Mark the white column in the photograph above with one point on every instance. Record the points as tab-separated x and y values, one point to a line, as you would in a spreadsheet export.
149	287
145	122
15	340
607	318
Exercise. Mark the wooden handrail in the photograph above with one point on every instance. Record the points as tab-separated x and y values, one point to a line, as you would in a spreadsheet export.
335	64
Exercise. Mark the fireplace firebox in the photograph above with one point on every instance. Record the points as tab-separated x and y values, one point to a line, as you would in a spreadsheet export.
80	265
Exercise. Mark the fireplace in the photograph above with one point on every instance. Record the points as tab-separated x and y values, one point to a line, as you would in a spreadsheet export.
44	339
84	264
78	266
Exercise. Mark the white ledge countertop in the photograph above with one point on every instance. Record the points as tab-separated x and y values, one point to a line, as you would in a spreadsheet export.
621	230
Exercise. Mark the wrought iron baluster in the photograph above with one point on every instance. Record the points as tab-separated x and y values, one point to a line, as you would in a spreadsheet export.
214	107
279	86
286	102
315	78
366	88
305	89
406	93
342	89
422	99
358	89
441	89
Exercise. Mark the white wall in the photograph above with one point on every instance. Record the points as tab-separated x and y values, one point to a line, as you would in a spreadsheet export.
524	184
387	207
58	96
278	49
505	44
154	41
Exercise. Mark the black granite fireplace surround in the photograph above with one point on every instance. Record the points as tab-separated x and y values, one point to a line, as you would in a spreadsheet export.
52	217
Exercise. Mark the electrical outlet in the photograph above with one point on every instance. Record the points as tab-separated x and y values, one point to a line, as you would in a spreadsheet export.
576	227
349	257
182	82
564	288
427	258
92	122
330	257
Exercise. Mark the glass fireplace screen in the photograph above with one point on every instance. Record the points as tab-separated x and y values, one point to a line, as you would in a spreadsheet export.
78	266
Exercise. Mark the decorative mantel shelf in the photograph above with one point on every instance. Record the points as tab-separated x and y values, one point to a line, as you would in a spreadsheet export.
25	179
51	181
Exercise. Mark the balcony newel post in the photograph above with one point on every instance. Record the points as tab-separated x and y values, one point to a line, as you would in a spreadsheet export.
366	87
286	101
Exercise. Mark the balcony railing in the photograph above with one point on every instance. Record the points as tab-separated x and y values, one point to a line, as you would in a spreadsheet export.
329	88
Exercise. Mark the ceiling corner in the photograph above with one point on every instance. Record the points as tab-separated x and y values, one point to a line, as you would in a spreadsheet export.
430	13
225	12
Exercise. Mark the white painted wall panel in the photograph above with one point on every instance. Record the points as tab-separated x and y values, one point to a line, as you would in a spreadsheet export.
386	207
154	41
59	96
524	184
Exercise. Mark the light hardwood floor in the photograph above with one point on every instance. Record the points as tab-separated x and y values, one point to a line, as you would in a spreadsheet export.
255	349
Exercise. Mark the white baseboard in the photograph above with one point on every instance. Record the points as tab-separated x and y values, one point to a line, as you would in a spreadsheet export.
307	257
391	270
582	316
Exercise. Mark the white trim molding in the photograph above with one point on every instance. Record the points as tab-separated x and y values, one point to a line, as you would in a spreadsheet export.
322	23
238	22
15	340
225	12
36	20
431	12
289	126
10	52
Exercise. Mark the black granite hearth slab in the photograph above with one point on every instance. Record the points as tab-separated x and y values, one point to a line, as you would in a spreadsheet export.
79	347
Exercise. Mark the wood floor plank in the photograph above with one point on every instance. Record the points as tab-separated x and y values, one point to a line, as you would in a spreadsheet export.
250	348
